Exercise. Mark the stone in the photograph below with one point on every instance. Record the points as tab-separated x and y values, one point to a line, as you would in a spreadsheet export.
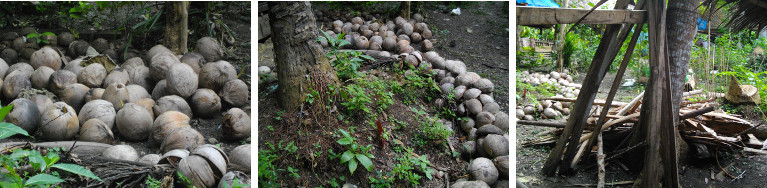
486	99
502	121
484	118
467	125
492	108
484	170
472	93
487	129
739	94
473	106
502	164
485	85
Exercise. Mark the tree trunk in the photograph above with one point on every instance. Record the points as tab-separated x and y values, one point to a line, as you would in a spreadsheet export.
296	50
405	9
561	37
681	31
176	26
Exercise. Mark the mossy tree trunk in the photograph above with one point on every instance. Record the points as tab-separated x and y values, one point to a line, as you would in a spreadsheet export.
297	53
176	26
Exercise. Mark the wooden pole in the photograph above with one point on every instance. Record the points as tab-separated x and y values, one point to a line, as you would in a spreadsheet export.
561	38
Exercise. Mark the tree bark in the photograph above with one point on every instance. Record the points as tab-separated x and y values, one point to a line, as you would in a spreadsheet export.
176	26
405	9
297	53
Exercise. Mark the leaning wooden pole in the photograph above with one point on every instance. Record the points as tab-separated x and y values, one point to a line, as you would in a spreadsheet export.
606	52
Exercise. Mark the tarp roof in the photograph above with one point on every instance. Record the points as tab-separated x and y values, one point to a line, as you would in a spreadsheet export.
539	3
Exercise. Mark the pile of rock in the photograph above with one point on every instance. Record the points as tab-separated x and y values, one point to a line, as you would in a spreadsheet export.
547	108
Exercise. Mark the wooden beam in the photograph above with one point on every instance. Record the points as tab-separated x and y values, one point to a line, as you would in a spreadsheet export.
547	16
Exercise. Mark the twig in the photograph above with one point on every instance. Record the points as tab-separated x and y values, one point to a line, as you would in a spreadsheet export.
696	112
720	166
608	184
600	162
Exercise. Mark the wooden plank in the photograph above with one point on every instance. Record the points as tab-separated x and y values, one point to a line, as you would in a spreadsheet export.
547	16
540	123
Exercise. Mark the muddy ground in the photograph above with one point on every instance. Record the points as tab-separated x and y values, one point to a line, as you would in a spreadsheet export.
693	173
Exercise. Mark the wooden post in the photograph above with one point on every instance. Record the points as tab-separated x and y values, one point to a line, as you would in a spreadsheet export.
176	26
561	37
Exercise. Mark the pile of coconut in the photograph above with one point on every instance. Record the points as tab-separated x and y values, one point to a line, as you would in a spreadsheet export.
374	34
94	98
547	108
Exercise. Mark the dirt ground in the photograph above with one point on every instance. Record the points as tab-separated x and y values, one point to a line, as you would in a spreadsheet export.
530	159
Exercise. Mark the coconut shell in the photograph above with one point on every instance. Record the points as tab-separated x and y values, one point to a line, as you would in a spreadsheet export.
172	103
160	63
215	75
139	75
159	90
41	101
167	122
74	95
194	60
61	79
236	124
426	45
117	94
157	49
78	48
95	130
117	75
41	76
74	66
209	48
215	156
23	67
132	62
389	44
24	114
3	67
9	55
181	80
92	75
182	138
14	83
199	171
241	156
99	109
150	159
134	122
94	94
205	103
59	122
100	45
65	38
235	93
137	93
121	152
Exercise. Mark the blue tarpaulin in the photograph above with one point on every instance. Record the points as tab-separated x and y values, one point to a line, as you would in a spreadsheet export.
539	3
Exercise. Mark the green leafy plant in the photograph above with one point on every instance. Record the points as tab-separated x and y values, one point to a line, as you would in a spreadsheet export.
39	37
292	172
345	63
355	153
356	98
382	181
267	172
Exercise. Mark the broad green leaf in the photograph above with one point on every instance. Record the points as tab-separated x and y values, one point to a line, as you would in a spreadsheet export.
365	161
20	153
428	173
8	130
367	57
352	166
43	179
37	161
5	110
343	42
344	141
76	169
343	132
347	156
591	4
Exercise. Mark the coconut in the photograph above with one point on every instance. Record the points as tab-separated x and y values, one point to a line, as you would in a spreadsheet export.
456	67
208	47
236	124
74	95
150	159
100	45
473	106
160	63
116	94
61	79
41	101
167	122
472	93
59	122
94	94
14	83
27	30
132	62
146	103
194	60
159	90
23	67
389	44
483	169
112	54
484	118
121	152
117	75
458	93
134	122
24	114
415	37
235	92
9	55
95	130
362	43
485	85
65	38
92	75
215	75
41	76
426	45
46	56
99	109
155	50
205	103
137	93
182	138
139	75
241	156
172	157
204	167
3	67
407	28
78	48
74	66
181	80
172	103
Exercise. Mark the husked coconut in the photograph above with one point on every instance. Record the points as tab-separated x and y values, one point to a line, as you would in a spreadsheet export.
235	92
94	93
210	49
74	66
61	79
194	60
241	156
415	37
74	95
65	38
99	109
160	64
148	104
9	55
205	103
41	76
22	67
157	49
134	122
132	62
121	152
182	138
426	45
139	75
116	94
362	42
215	75
100	45
95	130
24	114
236	124
78	48
165	123
46	56
41	101
389	44
59	122
117	75
172	103
137	93
3	67
14	83
181	80
150	159
92	75
159	90
111	54
407	28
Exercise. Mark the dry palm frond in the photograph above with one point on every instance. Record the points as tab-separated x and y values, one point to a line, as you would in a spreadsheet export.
747	14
